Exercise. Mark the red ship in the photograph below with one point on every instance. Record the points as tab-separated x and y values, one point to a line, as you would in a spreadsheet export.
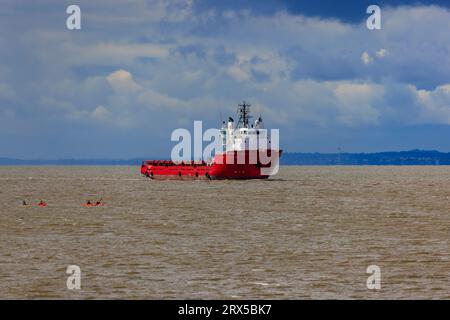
240	157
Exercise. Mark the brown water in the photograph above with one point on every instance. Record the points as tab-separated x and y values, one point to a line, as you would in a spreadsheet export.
309	233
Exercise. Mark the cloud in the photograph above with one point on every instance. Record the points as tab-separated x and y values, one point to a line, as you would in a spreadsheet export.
356	102
156	100
238	73
366	58
122	82
101	113
148	67
381	53
434	104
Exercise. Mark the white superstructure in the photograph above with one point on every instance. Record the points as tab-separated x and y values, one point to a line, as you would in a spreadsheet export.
244	136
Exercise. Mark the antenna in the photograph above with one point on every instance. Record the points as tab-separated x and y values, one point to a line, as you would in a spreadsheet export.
244	114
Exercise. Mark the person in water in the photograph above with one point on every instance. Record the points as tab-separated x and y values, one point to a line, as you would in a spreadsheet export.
42	203
99	202
24	203
88	202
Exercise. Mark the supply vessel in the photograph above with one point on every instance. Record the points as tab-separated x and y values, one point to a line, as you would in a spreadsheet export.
246	152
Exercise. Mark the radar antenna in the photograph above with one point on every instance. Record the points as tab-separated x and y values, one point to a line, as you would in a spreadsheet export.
244	114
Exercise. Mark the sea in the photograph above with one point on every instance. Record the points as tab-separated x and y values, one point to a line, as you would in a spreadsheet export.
326	232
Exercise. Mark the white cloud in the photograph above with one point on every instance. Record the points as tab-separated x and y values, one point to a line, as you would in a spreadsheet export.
356	102
101	113
157	100
381	53
330	103
366	58
434	104
122	82
238	72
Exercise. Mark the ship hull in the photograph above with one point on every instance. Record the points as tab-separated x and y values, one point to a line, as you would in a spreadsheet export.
175	171
236	165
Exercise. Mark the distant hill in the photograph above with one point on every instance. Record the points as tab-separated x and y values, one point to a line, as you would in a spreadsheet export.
413	157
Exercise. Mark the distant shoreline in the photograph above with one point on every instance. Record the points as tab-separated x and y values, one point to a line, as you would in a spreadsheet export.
399	158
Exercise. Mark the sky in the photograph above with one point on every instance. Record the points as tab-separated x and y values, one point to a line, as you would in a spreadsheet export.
139	69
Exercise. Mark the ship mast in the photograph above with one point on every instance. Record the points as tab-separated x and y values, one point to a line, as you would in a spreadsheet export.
244	114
